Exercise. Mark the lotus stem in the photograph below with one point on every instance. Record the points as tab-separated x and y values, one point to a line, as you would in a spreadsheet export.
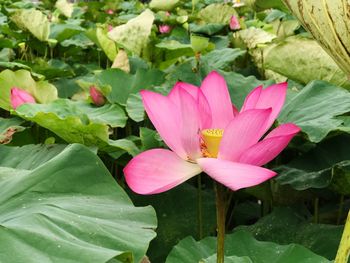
344	246
220	221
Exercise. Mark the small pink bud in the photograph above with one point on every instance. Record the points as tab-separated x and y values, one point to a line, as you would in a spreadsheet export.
97	97
167	13
234	23
110	11
164	29
19	97
110	28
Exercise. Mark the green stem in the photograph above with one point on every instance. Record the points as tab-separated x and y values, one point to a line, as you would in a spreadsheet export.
316	210
220	221
340	209
344	246
199	206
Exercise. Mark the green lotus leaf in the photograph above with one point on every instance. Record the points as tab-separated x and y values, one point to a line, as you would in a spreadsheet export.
60	204
134	34
80	122
328	22
242	244
163	5
34	21
328	163
217	14
315	108
99	36
285	225
65	7
42	91
303	60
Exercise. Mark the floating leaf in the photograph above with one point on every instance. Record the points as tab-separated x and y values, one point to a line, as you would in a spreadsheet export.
62	205
134	34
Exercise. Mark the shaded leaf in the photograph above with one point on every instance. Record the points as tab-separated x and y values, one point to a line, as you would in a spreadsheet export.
66	207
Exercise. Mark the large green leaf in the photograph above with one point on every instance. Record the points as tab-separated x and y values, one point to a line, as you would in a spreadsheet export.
64	206
315	108
222	58
42	90
80	122
123	84
316	168
135	33
303	60
242	244
62	32
285	225
34	21
328	22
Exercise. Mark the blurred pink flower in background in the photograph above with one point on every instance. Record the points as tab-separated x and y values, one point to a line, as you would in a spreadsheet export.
110	11
19	97
234	23
164	29
205	132
110	28
97	97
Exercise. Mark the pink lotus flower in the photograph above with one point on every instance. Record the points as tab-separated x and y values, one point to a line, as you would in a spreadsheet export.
164	29
19	97
110	11
109	28
234	23
97	97
206	133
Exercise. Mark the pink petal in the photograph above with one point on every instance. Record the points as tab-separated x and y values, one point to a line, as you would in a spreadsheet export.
252	99
274	143
215	90
234	175
243	131
197	94
165	116
190	124
158	170
271	97
192	89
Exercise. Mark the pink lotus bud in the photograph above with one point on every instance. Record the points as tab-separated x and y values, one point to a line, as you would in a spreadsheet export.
19	97
110	11
167	13
164	29
110	28
234	23
97	97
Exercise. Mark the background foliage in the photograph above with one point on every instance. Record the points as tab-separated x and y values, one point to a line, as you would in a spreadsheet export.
64	198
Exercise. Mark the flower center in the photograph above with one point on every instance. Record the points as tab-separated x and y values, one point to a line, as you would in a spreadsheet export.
211	139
